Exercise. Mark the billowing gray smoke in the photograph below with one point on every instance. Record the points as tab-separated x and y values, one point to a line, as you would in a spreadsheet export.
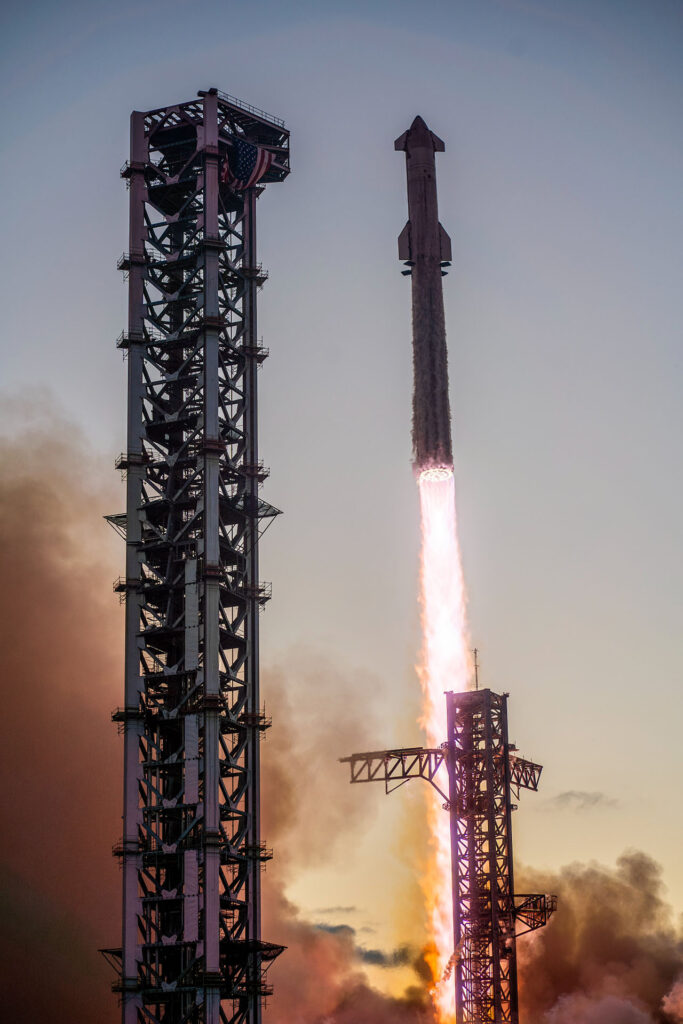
611	955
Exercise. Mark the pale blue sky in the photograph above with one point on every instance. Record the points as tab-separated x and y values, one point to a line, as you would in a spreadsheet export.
560	188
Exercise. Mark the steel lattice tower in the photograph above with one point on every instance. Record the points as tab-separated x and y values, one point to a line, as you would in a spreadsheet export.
483	771
191	849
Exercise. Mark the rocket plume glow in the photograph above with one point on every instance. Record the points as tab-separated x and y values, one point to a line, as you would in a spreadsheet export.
444	665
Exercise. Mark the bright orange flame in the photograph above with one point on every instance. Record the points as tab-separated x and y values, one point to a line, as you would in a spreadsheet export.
444	665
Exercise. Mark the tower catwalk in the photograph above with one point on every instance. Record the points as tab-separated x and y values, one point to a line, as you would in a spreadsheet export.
191	848
482	771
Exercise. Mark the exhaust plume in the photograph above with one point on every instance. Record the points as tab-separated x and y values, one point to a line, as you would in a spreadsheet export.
444	665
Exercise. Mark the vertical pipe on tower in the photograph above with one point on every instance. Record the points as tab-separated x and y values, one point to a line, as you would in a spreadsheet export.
132	814
253	756
212	451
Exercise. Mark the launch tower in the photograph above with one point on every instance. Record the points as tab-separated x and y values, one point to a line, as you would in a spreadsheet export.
482	772
191	849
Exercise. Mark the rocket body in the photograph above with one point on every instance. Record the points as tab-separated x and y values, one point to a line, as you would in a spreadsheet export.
425	247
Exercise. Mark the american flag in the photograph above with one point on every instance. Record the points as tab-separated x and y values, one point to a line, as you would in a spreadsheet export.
245	164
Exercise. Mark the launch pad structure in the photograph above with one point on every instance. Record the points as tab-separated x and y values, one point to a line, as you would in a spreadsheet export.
191	850
482	772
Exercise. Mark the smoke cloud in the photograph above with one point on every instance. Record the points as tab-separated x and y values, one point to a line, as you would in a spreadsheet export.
61	756
317	718
59	753
309	812
611	953
672	1004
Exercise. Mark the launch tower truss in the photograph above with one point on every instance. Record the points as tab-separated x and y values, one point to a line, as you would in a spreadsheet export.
191	849
482	771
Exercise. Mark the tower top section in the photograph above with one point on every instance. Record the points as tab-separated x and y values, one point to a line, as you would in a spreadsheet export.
178	129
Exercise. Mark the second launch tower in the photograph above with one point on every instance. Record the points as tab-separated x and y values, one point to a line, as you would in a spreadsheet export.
191	850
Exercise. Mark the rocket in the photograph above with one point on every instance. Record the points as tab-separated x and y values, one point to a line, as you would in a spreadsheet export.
425	248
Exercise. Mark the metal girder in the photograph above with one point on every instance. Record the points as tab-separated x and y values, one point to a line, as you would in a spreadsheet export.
524	774
533	910
395	767
191	849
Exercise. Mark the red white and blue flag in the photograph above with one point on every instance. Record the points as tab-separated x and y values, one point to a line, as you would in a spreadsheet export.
245	164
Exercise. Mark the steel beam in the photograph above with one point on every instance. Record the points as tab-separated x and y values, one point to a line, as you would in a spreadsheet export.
394	767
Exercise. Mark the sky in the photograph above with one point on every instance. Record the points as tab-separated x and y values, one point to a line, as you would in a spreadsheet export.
560	189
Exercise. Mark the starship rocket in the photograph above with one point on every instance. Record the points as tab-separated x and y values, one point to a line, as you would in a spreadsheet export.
425	248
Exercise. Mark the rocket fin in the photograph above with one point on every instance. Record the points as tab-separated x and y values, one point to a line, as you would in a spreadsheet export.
400	143
439	145
404	246
444	244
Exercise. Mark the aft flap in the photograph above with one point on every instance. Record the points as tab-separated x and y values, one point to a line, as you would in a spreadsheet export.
400	142
438	143
444	245
404	243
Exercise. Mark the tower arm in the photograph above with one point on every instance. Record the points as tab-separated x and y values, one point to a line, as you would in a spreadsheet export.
524	774
395	767
533	911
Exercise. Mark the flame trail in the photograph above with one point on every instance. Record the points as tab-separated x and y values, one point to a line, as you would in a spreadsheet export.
444	665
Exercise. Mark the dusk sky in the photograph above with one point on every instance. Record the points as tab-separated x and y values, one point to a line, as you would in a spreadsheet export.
561	190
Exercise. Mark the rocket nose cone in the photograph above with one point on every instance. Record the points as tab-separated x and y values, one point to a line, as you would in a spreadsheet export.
419	134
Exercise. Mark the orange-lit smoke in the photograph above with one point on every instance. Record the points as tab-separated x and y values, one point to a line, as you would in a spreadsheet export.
444	665
60	754
61	758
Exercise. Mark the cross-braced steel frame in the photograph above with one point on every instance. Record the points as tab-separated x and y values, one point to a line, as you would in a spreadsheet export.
191	849
483	771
